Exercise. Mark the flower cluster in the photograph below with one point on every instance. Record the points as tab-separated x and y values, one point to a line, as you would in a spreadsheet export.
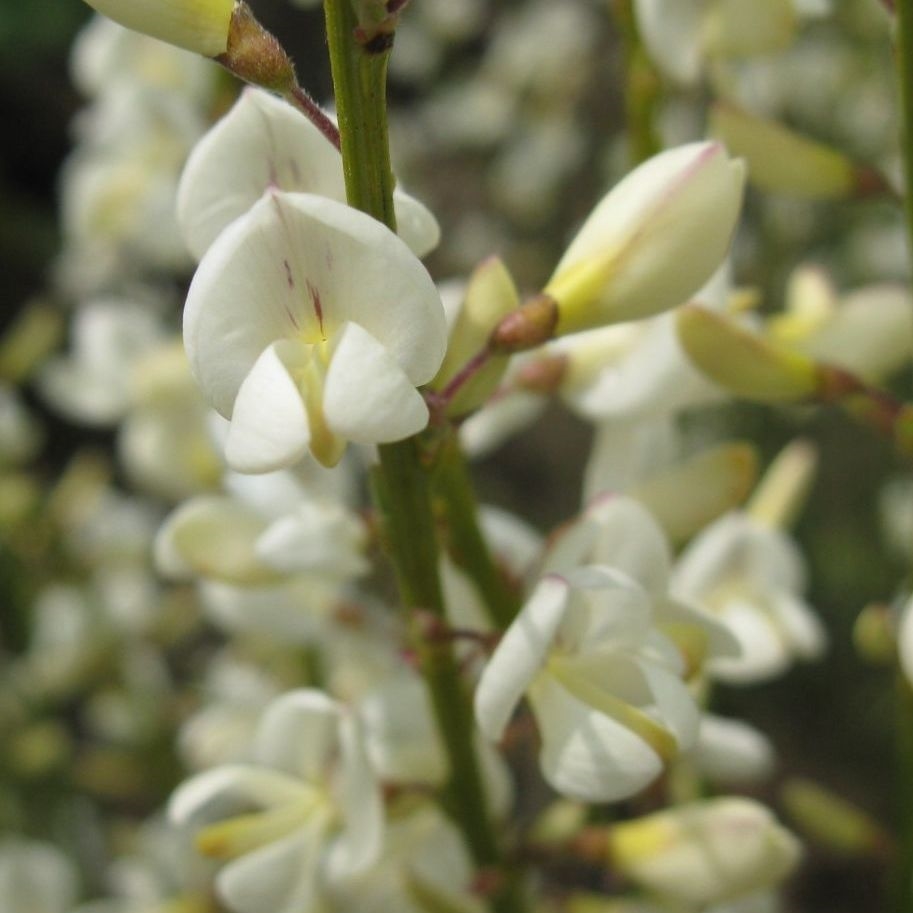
299	699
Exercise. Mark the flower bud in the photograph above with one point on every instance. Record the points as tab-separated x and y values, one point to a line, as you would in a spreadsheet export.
653	241
490	296
201	26
783	490
874	635
743	362
781	160
830	820
705	852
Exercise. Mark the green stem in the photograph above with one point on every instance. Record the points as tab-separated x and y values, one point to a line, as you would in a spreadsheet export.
904	62
467	545
904	56
401	483
360	86
642	87
903	734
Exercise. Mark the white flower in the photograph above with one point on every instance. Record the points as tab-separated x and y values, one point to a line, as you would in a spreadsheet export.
750	576
305	814
706	852
91	385
35	877
310	324
105	55
606	686
653	241
424	866
261	143
681	35
868	331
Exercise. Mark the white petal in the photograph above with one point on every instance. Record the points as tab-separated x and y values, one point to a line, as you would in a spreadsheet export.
324	538
415	223
367	397
626	452
764	653
674	703
280	877
519	656
630	540
800	626
213	537
655	378
585	754
297	266
269	423
870	333
231	788
671	33
299	734
401	737
262	142
731	752
289	612
362	806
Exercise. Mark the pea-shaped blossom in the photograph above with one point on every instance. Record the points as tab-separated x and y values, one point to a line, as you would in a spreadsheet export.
304	815
606	684
263	142
750	576
310	324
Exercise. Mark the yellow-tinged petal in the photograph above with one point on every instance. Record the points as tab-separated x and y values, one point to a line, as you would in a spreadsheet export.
743	362
655	735
691	495
201	26
781	160
783	490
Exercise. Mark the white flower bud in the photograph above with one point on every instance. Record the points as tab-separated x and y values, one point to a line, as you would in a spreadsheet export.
706	852
653	241
201	26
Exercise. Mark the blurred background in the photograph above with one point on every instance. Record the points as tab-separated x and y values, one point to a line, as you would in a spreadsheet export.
510	152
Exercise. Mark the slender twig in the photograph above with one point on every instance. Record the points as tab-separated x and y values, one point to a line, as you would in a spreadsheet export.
300	99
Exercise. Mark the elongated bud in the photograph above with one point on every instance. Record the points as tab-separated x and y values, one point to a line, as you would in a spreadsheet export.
225	30
782	161
743	362
490	296
831	821
784	488
875	635
706	852
201	26
653	241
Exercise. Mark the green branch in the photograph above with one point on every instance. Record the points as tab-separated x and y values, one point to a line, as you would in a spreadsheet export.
401	483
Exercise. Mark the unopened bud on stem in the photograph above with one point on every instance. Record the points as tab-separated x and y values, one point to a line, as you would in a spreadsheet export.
254	55
201	26
531	325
